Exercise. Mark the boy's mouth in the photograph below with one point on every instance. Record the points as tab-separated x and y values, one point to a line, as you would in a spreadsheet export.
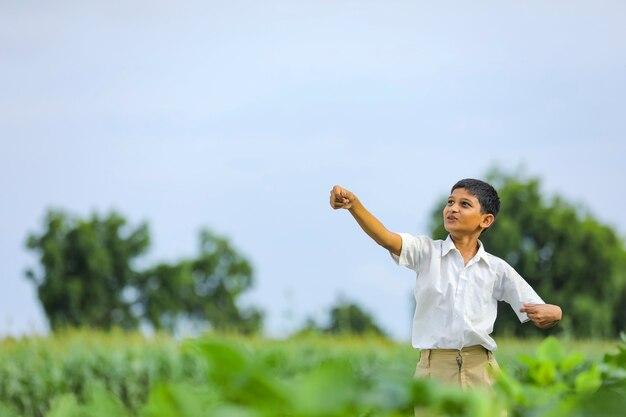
451	218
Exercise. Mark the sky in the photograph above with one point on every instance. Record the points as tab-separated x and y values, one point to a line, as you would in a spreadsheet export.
240	116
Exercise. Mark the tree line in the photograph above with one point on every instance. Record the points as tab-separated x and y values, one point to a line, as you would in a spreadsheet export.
89	276
90	271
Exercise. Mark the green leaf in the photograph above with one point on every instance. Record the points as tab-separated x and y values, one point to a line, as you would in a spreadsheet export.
511	387
528	360
551	350
327	391
571	362
544	374
588	381
233	411
224	359
103	404
239	377
64	406
181	400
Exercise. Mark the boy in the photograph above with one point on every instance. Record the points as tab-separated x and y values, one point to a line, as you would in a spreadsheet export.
458	285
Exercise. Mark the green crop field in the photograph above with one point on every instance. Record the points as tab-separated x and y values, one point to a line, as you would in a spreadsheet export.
85	373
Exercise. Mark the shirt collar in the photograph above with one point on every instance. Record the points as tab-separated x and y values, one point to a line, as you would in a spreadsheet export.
448	245
482	253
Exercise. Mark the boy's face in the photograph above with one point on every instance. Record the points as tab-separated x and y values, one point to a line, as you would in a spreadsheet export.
462	214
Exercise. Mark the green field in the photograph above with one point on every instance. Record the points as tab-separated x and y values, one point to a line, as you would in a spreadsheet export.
85	373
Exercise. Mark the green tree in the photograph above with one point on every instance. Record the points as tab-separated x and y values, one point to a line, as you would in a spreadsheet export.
85	267
201	290
565	254
89	277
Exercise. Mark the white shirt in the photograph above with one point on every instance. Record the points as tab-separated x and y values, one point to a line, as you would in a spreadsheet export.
456	304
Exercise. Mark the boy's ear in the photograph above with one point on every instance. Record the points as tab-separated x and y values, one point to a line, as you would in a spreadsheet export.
487	221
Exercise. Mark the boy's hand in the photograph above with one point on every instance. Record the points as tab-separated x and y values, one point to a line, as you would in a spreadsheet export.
341	198
543	316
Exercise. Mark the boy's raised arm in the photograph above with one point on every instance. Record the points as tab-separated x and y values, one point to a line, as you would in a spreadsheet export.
342	198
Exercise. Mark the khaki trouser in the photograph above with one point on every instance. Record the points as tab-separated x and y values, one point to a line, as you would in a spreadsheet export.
471	367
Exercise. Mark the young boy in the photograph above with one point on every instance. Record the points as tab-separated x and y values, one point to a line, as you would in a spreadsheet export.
458	285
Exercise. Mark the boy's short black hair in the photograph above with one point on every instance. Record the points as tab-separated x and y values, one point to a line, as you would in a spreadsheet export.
487	195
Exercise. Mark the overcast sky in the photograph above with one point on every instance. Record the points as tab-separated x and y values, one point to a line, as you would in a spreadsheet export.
240	116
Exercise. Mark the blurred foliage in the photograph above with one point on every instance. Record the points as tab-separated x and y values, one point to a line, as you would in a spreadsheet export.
89	277
73	368
87	265
91	374
346	318
557	383
203	289
67	371
567	256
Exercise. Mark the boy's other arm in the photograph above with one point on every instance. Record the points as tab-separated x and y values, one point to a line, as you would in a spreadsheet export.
543	316
342	198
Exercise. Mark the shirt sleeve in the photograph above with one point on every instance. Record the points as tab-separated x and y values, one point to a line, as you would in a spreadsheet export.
411	252
516	291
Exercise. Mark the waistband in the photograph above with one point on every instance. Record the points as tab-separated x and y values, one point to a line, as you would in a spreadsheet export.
466	351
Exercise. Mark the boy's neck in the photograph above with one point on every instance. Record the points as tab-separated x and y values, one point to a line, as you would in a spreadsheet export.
466	244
